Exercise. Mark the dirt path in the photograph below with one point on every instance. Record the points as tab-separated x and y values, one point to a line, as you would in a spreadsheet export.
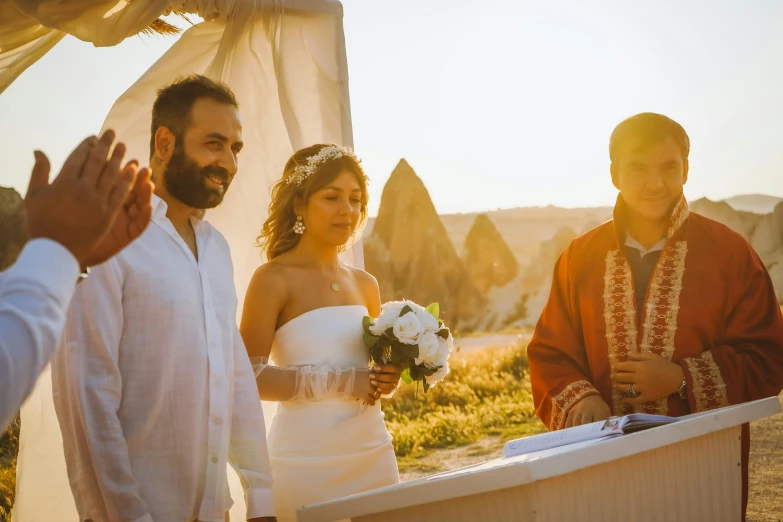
765	502
480	342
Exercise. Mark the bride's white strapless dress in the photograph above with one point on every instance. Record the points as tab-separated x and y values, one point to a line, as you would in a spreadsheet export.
327	449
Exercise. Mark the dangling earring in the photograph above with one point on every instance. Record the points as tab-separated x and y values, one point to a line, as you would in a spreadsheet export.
299	226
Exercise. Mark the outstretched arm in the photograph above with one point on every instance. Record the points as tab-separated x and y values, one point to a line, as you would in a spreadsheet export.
34	297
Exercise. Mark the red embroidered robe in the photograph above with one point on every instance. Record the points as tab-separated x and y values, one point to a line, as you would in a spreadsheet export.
709	306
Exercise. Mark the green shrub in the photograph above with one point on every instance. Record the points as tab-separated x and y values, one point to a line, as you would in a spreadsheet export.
9	446
487	392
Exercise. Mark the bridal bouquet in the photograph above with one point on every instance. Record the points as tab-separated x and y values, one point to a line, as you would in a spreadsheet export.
413	337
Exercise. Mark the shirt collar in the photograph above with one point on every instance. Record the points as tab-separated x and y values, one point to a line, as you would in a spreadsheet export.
633	243
677	218
159	209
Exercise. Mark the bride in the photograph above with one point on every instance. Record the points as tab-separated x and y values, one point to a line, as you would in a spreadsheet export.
303	309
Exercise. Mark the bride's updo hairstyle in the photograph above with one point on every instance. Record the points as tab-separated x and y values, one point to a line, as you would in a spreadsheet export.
306	172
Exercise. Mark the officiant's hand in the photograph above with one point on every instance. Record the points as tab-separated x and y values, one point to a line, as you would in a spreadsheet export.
590	409
652	376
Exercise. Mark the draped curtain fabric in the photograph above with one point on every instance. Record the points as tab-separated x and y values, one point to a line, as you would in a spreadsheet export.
285	61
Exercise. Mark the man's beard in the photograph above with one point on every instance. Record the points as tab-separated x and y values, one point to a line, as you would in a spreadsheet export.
185	181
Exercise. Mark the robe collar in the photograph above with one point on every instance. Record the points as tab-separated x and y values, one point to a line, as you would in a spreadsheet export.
677	218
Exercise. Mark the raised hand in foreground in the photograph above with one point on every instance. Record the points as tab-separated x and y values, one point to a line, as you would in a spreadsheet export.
94	207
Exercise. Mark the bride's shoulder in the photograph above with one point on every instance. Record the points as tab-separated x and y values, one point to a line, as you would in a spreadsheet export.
364	279
369	288
269	278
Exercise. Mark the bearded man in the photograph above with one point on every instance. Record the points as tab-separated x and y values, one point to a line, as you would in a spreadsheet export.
153	388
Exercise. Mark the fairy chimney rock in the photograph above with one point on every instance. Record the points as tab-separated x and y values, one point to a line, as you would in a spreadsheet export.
411	255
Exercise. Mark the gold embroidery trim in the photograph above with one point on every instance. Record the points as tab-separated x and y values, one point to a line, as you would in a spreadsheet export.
679	215
619	316
563	401
661	311
709	389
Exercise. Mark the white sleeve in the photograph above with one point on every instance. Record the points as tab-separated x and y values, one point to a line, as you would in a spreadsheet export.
34	297
248	453
305	383
87	387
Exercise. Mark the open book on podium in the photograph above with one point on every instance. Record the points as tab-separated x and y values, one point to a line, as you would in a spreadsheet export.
612	427
688	470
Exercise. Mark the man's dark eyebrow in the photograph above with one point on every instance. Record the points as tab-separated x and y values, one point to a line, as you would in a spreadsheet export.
217	136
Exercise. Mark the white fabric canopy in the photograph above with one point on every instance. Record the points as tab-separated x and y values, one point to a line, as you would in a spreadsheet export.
286	63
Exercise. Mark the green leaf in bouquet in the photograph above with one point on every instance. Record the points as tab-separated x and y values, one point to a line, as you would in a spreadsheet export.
426	385
377	355
405	310
414	373
384	342
396	357
434	309
370	341
406	376
389	333
366	323
444	333
409	351
426	372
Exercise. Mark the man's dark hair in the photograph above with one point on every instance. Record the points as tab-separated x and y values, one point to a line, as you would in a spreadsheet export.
174	103
648	128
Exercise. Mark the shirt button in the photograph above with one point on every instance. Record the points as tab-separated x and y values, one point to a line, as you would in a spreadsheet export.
216	421
214	459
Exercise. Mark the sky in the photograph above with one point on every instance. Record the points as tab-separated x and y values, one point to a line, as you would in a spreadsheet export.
495	104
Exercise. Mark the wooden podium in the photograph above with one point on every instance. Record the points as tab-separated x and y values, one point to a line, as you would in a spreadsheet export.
686	471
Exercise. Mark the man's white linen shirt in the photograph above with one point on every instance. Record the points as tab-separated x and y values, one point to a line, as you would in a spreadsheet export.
153	387
34	296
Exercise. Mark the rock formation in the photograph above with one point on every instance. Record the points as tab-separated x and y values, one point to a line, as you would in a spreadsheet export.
412	257
488	259
763	232
13	232
537	278
722	212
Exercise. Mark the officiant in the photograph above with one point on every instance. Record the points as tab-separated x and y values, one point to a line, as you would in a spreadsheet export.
659	310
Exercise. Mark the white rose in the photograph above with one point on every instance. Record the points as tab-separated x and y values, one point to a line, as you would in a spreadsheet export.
439	375
381	324
394	308
445	347
428	321
407	328
389	314
428	346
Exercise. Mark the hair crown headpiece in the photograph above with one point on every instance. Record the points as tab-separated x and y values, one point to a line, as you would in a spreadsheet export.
302	172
